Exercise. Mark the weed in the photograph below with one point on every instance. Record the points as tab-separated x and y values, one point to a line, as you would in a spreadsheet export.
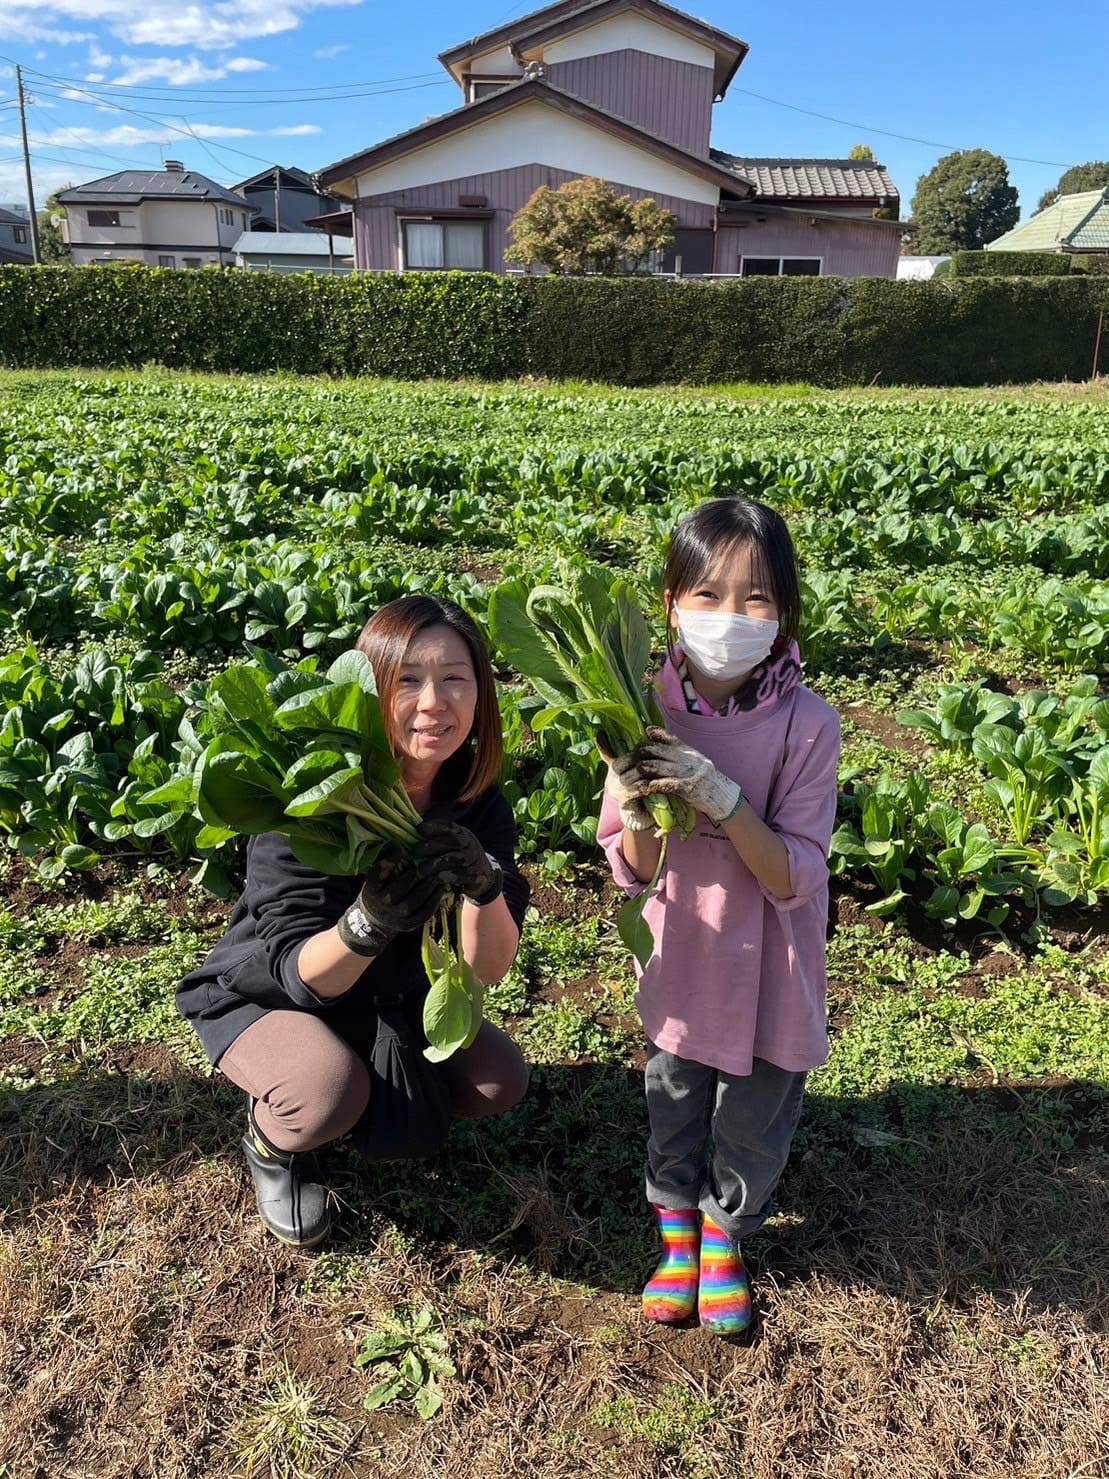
408	1353
284	1436
671	1424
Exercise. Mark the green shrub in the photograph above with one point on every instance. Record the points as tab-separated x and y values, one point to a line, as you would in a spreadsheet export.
630	331
1010	264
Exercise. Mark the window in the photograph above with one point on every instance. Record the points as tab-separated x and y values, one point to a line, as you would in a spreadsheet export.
20	234
192	261
167	261
103	218
431	246
484	89
781	266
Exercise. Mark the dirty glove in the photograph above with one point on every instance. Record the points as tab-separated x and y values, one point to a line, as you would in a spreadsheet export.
460	861
670	768
398	894
627	789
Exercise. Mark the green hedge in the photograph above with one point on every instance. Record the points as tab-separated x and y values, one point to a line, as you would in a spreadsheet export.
632	331
1010	264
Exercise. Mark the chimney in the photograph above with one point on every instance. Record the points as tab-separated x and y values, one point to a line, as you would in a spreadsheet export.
175	166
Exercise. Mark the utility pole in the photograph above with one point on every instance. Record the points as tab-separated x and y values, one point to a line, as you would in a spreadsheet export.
27	168
277	196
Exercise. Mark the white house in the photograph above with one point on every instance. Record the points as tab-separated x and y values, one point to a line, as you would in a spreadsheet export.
171	217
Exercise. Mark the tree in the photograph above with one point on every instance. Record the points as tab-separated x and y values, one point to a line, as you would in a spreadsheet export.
584	226
861	151
963	203
1092	176
52	246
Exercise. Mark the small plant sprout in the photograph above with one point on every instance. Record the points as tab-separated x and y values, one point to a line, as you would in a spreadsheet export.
408	1353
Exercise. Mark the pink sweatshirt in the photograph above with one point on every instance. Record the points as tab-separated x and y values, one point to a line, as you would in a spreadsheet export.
738	973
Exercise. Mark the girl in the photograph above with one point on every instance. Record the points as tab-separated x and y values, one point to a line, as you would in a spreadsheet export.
293	1003
733	998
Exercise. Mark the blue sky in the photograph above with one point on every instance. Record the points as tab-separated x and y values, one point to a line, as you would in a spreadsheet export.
232	86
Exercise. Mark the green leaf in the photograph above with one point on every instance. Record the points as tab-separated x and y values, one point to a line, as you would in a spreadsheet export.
236	791
525	648
353	667
428	1401
634	930
339	707
447	1017
387	1390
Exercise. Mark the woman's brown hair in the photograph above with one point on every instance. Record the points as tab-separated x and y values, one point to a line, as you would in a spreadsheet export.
386	638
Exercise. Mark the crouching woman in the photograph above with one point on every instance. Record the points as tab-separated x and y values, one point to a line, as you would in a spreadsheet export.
312	1001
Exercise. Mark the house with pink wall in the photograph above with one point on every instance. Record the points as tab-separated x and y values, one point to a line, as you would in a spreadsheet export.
623	90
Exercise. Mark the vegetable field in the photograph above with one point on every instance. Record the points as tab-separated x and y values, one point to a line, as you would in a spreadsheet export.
931	1292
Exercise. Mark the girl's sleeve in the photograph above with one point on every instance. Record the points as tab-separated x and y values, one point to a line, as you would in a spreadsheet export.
802	810
610	835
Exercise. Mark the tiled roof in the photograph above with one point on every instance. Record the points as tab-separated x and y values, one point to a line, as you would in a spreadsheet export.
1080	222
812	179
144	184
10	218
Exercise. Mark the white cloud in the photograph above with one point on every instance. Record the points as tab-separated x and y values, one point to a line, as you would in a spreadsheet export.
48	178
22	22
99	59
327	52
179	71
213	26
126	136
296	130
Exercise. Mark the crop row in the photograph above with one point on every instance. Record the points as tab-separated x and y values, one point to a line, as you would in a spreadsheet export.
297	598
436	493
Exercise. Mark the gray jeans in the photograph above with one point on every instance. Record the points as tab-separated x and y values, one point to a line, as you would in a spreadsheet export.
719	1141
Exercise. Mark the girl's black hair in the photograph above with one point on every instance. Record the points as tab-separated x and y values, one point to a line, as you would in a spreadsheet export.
708	534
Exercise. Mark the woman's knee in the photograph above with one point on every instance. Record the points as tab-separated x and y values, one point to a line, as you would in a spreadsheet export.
308	1086
489	1077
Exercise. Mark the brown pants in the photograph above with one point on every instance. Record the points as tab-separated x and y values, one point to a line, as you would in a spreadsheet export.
310	1087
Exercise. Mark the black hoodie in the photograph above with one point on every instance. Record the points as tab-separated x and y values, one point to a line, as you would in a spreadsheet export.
253	969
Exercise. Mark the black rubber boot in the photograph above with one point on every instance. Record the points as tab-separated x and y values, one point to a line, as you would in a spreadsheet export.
294	1210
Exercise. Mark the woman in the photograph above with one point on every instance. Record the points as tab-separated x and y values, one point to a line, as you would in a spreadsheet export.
315	971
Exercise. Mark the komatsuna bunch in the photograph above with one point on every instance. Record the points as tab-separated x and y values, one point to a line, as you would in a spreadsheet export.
584	646
305	753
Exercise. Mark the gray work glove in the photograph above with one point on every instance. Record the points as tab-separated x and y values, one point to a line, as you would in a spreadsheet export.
662	765
627	789
398	894
461	861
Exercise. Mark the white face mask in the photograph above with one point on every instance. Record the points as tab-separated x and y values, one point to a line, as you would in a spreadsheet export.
725	645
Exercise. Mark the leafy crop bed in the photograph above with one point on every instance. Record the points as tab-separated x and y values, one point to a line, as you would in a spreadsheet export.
931	1290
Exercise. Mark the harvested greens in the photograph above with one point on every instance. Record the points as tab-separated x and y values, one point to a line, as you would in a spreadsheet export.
304	753
584	647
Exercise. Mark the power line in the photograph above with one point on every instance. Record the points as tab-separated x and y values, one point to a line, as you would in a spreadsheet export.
162	123
238	91
885	132
65	91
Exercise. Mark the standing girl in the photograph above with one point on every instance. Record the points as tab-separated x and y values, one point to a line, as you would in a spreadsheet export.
733	998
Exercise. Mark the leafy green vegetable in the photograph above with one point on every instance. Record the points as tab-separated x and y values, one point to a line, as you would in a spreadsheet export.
584	647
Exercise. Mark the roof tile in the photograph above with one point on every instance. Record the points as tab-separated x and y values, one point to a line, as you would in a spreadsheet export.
812	179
